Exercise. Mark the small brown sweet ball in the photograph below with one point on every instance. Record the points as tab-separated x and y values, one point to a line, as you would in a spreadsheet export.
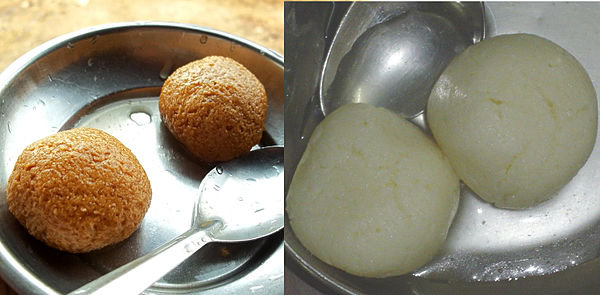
78	190
215	107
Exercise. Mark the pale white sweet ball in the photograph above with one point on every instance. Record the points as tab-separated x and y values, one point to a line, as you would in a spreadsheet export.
372	194
517	117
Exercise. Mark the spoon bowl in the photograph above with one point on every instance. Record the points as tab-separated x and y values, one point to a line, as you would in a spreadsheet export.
240	200
249	186
390	55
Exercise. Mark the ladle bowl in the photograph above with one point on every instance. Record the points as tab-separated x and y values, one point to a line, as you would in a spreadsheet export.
393	59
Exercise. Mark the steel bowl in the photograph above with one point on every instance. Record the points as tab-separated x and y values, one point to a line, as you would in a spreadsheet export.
549	249
109	77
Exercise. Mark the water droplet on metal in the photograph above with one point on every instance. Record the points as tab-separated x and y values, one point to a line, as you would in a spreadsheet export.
140	118
274	172
70	45
203	39
219	169
90	62
251	179
8	127
50	78
165	71
189	248
94	39
256	288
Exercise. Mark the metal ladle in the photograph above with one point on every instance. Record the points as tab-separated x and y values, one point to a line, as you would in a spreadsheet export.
239	200
391	54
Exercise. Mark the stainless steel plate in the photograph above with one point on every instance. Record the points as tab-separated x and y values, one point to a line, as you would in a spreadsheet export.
550	249
109	77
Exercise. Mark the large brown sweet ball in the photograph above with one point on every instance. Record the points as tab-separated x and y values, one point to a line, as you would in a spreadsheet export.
215	107
78	190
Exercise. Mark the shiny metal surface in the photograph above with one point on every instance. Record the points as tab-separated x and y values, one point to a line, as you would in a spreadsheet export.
238	201
549	249
109	77
254	184
391	54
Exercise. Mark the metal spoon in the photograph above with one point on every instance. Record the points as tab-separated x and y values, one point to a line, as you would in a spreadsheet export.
239	200
391	54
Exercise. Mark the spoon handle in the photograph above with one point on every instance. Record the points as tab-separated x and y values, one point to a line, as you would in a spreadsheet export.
136	276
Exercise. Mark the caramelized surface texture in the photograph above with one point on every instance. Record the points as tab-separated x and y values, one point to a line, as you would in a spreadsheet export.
78	190
215	107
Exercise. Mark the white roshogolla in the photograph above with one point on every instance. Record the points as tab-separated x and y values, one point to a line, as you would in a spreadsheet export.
372	194
517	117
